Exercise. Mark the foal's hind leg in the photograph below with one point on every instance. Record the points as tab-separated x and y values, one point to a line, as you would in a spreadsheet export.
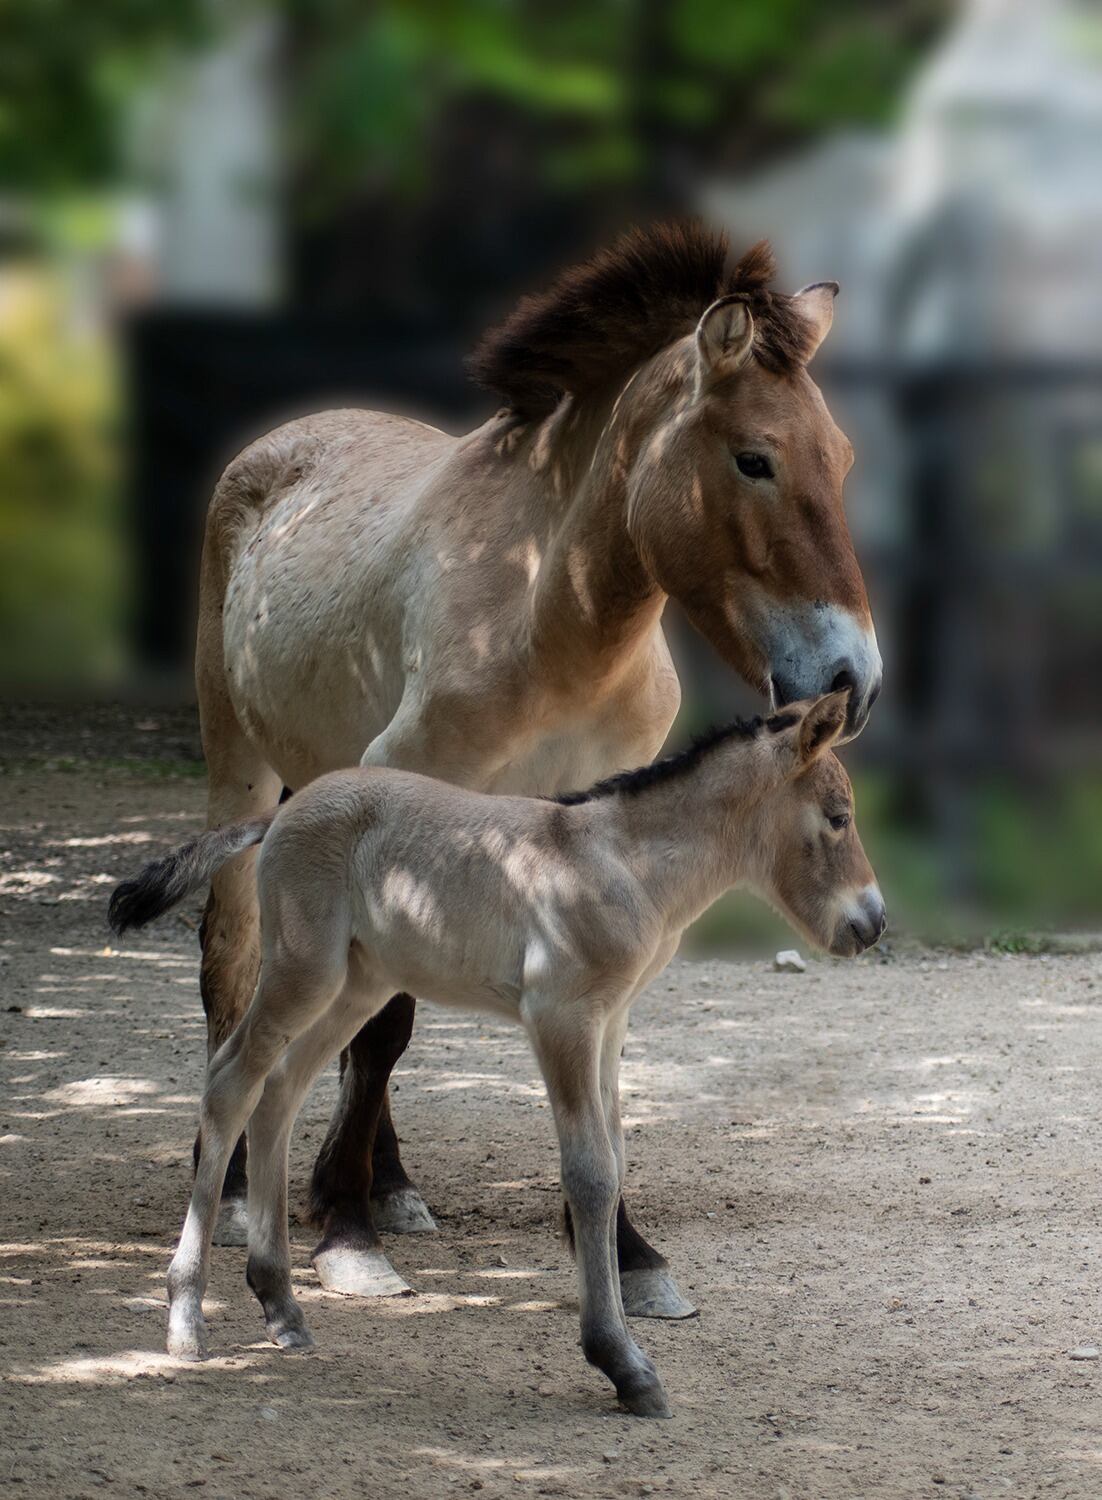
288	999
269	1264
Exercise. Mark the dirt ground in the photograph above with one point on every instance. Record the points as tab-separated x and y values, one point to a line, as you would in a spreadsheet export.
878	1182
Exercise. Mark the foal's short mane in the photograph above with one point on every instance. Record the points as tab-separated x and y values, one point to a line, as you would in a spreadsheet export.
603	318
681	762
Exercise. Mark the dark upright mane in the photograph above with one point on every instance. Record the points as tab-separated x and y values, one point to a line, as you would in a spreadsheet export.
681	762
604	317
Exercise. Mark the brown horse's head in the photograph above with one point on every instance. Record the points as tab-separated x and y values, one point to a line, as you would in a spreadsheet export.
813	868
732	465
736	504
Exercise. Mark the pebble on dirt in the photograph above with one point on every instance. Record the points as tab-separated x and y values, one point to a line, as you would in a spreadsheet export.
788	961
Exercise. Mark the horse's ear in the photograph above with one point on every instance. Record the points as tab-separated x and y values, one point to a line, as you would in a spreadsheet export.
821	725
724	338
815	304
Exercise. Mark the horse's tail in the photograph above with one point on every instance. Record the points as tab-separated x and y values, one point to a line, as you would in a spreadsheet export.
166	881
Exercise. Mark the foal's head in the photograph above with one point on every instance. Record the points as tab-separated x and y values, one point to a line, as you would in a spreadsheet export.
810	863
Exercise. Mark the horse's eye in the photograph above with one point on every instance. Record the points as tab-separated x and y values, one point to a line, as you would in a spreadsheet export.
754	465
839	821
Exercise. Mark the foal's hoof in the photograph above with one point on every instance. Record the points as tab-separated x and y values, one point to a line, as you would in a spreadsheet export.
358	1273
653	1293
188	1342
645	1400
402	1212
232	1224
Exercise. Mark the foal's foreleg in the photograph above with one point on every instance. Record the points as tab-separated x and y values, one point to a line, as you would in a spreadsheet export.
568	1048
288	1000
647	1288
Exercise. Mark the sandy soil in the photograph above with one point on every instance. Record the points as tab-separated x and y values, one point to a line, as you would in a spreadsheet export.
879	1182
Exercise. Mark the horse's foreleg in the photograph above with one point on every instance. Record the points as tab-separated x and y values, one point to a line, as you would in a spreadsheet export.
646	1285
349	1257
396	1205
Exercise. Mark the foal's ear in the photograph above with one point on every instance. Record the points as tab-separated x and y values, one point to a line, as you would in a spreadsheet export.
815	304
821	725
724	338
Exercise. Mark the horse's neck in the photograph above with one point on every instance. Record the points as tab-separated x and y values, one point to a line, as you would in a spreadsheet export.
594	607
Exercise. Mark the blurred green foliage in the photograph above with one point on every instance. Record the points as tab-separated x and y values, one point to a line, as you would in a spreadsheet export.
368	83
61	546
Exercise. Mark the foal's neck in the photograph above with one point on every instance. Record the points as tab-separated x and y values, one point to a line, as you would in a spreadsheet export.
594	605
694	835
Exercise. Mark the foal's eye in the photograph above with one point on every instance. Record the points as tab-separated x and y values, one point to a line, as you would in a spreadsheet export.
754	465
839	821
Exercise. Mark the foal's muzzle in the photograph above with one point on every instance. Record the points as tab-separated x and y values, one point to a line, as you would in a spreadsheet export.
861	925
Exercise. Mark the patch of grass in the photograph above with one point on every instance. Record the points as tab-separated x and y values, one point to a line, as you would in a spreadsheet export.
1017	942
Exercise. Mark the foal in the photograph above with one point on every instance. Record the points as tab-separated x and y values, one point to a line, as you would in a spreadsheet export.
553	913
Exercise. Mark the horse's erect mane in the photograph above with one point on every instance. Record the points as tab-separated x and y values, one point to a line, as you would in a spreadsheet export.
681	762
603	318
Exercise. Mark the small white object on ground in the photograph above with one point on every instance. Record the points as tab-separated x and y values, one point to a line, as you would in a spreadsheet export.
1085	1351
788	961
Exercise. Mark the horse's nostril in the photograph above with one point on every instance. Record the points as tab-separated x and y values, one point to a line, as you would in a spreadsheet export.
844	679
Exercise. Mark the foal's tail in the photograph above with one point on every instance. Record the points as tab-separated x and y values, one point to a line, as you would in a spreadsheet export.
166	881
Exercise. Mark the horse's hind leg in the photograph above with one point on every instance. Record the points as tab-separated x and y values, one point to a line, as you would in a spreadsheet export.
269	1264
241	784
349	1257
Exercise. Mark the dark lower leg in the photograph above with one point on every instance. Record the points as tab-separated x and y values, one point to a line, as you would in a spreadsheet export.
632	1251
647	1288
341	1189
387	1172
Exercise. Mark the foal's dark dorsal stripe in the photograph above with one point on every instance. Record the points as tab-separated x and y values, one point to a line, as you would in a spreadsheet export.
681	762
599	320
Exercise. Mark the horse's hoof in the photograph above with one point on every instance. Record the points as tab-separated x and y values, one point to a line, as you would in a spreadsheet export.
645	1401
653	1293
294	1340
358	1273
232	1224
402	1212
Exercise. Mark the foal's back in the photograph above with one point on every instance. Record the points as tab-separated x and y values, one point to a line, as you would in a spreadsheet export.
458	896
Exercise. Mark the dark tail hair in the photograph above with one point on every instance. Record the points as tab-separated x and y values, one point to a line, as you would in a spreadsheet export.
166	881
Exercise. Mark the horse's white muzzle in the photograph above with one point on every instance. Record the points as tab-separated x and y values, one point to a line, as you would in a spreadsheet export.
818	649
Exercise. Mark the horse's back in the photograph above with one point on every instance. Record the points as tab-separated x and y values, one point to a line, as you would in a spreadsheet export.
348	455
305	539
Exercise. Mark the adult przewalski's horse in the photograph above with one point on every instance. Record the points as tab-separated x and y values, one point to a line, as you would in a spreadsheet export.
487	610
